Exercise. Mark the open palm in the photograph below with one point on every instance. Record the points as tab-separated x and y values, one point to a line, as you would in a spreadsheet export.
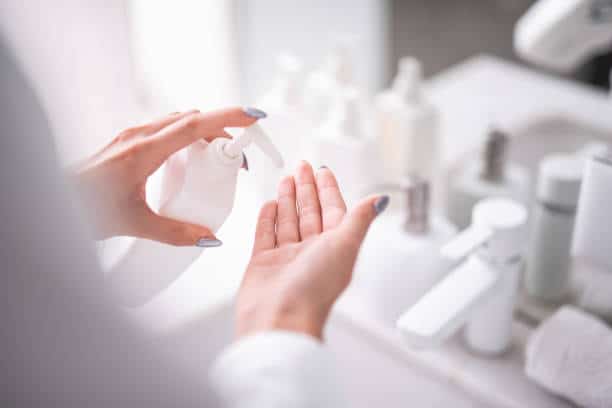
305	249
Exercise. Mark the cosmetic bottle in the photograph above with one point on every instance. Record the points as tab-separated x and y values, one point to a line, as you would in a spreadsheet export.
325	82
407	125
547	276
400	258
199	184
591	246
345	143
490	176
287	124
480	293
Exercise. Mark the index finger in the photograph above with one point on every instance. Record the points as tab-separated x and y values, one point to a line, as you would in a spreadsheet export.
205	126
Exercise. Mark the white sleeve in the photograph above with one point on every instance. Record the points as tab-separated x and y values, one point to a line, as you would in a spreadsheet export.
276	369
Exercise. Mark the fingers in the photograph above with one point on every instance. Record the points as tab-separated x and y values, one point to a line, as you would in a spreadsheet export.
333	207
355	225
265	232
173	232
159	124
194	126
287	229
309	216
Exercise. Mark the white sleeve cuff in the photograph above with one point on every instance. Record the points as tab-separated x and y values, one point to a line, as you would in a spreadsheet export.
275	369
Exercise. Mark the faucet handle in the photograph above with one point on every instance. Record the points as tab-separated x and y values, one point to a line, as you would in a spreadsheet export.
498	224
465	243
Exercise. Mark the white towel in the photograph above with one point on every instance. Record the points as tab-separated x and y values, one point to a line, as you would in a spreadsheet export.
570	354
595	293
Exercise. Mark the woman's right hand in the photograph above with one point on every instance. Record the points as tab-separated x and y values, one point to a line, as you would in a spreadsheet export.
305	249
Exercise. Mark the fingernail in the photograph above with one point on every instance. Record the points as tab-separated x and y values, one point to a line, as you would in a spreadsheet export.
381	204
255	113
208	243
323	167
245	162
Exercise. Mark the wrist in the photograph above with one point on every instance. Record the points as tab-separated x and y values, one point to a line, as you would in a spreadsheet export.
291	319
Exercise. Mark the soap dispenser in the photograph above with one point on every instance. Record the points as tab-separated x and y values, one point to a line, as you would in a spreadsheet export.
399	259
480	292
325	82
287	124
547	276
198	187
407	125
491	176
345	143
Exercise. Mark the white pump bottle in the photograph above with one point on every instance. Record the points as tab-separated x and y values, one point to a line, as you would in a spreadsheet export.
325	82
199	187
400	258
407	125
345	144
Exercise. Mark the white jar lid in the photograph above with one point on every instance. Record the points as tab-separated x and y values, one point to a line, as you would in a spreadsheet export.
559	179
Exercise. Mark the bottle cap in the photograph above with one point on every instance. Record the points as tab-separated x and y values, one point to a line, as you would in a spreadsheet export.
417	193
254	134
559	179
494	154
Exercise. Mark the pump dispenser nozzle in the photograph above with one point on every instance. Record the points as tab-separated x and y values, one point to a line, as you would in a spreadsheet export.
256	135
494	155
407	82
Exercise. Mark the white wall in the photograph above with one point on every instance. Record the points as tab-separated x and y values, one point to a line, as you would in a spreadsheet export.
306	28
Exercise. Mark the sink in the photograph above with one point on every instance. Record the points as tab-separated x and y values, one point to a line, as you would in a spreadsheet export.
375	367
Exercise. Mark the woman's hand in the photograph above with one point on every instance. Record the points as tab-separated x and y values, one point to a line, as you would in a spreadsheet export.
303	257
113	181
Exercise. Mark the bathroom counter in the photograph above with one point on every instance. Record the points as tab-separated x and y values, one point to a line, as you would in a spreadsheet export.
470	96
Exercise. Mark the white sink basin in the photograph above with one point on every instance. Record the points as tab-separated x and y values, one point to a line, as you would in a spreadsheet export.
376	368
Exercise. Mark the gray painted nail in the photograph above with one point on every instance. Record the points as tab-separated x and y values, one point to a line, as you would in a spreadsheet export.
323	167
208	243
255	113
381	204
245	162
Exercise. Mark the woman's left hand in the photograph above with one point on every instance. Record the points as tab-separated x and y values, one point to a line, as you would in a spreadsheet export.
113	181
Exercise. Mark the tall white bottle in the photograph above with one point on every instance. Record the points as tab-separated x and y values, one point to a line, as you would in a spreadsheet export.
345	143
287	124
490	176
400	258
325	82
547	276
408	125
199	187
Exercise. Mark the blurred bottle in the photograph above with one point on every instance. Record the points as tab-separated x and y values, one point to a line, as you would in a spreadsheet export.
491	176
547	276
327	81
400	258
407	125
346	144
287	124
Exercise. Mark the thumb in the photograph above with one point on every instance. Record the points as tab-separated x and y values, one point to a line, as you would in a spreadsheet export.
357	222
179	233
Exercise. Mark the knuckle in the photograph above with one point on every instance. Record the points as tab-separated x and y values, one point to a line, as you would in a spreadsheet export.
191	122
